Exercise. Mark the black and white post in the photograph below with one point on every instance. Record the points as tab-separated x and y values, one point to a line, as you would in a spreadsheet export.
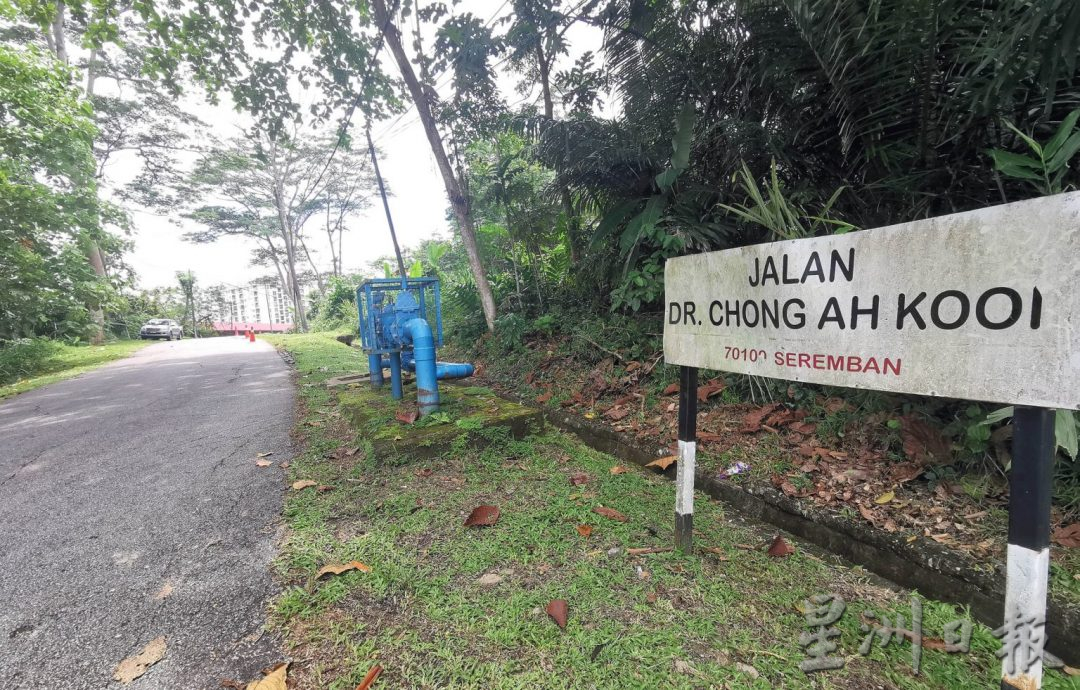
684	470
1028	559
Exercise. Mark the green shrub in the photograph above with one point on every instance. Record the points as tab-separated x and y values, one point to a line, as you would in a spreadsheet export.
25	357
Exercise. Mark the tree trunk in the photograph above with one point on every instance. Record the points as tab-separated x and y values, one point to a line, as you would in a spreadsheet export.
56	39
459	200
549	112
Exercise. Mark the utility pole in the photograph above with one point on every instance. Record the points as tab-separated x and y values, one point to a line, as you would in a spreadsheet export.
191	301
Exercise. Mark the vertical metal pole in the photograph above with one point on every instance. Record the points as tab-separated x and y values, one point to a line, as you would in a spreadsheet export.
1028	560
395	376
386	207
684	474
375	367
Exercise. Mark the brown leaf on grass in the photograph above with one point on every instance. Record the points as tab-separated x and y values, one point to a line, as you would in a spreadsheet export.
314	424
1069	536
904	472
407	416
483	516
579	478
923	444
529	377
779	548
369	679
544	397
714	387
708	437
752	420
339	568
134	666
664	462
303	484
617	413
275	679
610	513
866	513
618	469
423	472
557	610
324	488
672	389
584	530
263	463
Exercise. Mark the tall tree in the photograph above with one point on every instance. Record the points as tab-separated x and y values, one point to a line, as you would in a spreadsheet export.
48	201
274	191
456	191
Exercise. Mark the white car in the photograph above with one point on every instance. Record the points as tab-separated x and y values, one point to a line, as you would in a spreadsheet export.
161	328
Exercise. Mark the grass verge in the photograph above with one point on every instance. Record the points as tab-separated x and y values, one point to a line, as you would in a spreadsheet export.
729	617
66	361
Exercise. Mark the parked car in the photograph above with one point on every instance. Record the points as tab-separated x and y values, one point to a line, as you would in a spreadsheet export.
161	328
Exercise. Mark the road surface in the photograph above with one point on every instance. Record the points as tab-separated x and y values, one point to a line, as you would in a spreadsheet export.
131	507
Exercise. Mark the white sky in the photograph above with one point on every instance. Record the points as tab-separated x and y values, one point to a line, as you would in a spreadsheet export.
419	204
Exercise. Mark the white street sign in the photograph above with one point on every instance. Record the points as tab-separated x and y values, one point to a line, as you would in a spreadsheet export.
983	305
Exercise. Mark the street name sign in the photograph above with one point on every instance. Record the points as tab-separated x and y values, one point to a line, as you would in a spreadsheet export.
982	305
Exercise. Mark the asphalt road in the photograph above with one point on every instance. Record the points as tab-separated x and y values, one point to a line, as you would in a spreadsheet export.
133	478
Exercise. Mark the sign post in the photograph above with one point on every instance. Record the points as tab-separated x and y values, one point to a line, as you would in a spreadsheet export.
1028	560
979	305
684	470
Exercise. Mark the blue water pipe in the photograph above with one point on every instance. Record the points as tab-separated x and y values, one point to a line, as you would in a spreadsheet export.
396	335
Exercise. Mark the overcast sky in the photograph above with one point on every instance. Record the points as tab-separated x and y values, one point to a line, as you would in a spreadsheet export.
419	205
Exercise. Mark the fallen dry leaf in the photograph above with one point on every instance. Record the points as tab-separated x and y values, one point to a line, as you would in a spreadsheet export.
610	513
654	549
339	568
303	484
369	679
425	472
779	548
557	610
263	463
618	469
752	420
276	679
489	579
672	389
407	416
720	553
134	666
165	591
584	530
579	478
284	465
1070	671
544	397
922	442
885	498
1069	536
664	462
483	516
324	487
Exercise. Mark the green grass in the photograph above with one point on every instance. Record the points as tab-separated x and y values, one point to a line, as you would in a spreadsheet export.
726	619
66	361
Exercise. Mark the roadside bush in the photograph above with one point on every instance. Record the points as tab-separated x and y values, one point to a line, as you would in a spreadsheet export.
24	357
